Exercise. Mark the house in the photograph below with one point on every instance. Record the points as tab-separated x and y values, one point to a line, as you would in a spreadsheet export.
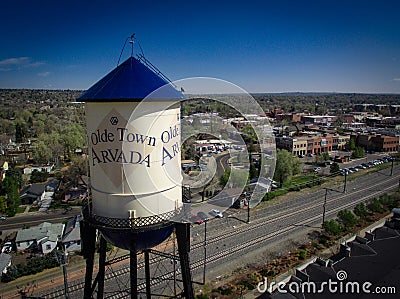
72	235
43	238
52	185
32	193
5	263
46	168
75	193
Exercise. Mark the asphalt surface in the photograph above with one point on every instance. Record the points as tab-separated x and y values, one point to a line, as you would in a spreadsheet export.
35	218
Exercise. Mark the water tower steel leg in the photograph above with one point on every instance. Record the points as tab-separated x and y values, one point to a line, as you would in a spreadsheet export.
147	273
133	272
88	249
183	237
102	268
87	293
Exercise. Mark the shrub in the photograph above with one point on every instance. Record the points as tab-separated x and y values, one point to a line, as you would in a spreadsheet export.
303	254
332	227
347	218
375	206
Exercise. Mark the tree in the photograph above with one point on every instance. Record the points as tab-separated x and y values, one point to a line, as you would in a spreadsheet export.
283	167
72	137
334	168
41	153
319	159
375	206
253	172
297	165
358	152
350	145
3	204
225	177
347	219
10	184
19	133
48	148
332	227
326	157
39	176
360	210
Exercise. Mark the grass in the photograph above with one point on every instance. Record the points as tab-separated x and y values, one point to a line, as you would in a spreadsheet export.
20	209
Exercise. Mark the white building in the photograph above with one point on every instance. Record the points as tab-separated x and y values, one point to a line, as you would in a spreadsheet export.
43	237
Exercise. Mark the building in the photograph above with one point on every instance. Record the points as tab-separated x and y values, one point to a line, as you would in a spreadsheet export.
318	145
385	143
30	169
32	193
318	119
377	142
43	238
71	238
365	262
302	145
5	263
340	141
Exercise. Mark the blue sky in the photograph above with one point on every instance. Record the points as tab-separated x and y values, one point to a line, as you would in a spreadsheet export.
262	46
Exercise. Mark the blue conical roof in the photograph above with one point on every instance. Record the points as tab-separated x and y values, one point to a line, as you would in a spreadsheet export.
131	81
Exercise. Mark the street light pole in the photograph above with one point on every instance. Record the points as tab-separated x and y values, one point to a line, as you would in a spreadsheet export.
248	206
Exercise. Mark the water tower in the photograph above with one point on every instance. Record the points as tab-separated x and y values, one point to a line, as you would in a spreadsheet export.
133	129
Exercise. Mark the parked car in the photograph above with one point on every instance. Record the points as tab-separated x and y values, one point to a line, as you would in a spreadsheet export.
203	216
216	213
2	218
196	219
316	169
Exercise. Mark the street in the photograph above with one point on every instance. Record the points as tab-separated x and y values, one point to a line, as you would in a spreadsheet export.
35	218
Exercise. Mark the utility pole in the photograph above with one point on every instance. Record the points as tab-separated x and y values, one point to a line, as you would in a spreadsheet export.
324	206
345	182
63	261
248	206
205	252
391	169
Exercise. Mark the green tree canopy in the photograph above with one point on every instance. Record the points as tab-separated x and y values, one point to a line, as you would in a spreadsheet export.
11	185
358	152
334	168
332	227
350	145
360	210
347	219
286	166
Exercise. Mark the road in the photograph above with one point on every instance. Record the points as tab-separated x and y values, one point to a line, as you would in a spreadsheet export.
35	218
230	241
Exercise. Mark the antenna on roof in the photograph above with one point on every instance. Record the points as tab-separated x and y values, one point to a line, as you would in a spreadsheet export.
132	41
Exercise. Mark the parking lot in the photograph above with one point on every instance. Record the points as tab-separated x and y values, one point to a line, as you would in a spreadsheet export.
309	163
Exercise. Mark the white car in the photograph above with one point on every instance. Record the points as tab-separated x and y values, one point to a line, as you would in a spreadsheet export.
216	213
